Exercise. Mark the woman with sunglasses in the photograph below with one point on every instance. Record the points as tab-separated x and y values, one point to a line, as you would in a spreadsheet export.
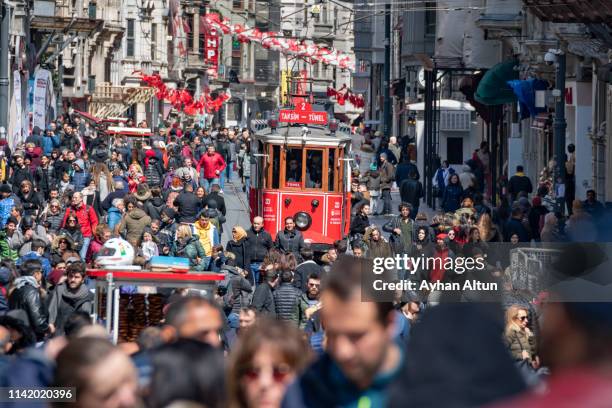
520	339
72	229
266	359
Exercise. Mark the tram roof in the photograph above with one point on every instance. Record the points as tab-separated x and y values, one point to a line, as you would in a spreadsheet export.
318	135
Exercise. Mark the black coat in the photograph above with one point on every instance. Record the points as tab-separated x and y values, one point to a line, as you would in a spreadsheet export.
287	301
214	200
241	251
517	184
258	243
359	223
187	204
31	203
27	298
303	271
289	241
20	174
515	226
411	191
263	300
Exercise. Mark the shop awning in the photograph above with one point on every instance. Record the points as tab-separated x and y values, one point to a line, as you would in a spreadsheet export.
493	89
525	91
571	11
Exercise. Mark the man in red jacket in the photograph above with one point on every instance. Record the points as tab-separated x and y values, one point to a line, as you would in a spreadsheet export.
88	220
212	164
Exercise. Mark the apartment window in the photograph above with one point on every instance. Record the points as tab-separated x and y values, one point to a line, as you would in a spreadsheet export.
315	70
154	42
324	14
130	38
237	4
430	18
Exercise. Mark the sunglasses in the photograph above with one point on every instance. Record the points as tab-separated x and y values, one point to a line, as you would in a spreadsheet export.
314	285
72	221
279	373
522	318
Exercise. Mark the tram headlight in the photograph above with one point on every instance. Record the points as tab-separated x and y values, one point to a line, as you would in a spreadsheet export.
302	220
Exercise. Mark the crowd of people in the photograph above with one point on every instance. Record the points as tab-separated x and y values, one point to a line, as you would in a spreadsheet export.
287	326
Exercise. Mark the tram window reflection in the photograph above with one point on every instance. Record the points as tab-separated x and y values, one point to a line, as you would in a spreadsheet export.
314	168
293	172
332	171
276	157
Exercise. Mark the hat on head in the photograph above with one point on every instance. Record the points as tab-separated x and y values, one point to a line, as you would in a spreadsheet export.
162	145
442	236
80	163
5	188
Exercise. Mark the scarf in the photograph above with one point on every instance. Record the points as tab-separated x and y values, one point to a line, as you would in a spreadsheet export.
25	280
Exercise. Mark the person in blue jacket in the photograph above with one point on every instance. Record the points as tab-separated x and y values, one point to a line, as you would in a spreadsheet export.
50	141
453	193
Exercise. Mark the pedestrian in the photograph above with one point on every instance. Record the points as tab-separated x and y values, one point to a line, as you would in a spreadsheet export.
210	167
259	243
238	245
411	192
86	217
69	297
517	183
366	369
289	240
27	296
452	195
387	176
287	299
267	359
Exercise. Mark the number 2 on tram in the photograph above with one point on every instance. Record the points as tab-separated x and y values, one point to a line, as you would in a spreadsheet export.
302	173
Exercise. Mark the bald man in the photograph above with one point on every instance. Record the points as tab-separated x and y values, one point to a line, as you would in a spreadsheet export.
259	242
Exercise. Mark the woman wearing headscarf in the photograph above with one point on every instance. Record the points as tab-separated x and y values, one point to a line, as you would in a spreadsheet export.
238	246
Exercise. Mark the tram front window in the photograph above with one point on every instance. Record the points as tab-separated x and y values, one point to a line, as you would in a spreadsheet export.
293	175
314	168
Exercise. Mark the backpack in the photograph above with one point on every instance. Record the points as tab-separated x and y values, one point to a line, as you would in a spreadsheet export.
232	296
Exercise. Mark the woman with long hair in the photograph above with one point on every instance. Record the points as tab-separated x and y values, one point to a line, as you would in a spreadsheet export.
474	241
187	245
266	359
520	339
103	178
488	231
452	194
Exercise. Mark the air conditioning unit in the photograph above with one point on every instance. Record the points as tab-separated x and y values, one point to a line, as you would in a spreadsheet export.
455	121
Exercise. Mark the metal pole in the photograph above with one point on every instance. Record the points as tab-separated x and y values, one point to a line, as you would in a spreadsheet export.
560	125
110	284
387	74
4	65
428	133
494	122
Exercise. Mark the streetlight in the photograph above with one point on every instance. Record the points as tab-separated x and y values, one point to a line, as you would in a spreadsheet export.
557	57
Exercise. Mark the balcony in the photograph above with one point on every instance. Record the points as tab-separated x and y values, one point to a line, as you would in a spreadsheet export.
111	100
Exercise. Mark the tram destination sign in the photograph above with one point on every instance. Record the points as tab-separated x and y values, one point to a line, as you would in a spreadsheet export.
303	113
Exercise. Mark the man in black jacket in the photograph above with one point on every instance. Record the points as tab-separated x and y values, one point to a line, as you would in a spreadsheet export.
188	205
69	297
26	297
263	298
411	191
307	268
259	243
289	240
519	182
215	200
287	299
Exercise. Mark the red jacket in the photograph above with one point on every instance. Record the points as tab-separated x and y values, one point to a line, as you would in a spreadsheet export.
211	164
88	220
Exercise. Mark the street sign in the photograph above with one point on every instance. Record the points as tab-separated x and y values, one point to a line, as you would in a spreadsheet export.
303	113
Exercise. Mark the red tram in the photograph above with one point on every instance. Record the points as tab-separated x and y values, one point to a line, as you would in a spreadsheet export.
302	172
